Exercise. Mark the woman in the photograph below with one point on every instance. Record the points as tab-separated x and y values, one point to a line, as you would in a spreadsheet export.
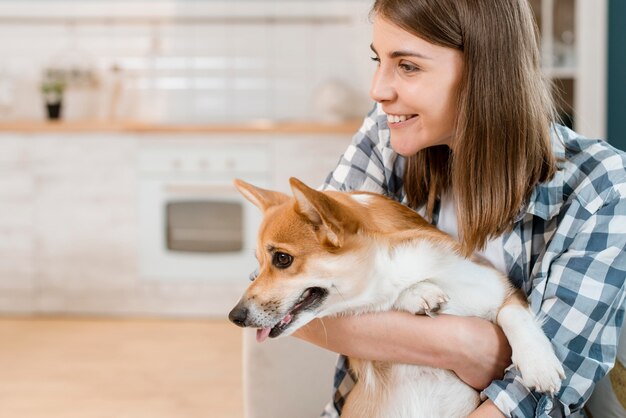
463	132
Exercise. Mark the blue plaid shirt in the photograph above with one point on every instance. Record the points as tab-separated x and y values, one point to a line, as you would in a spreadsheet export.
566	250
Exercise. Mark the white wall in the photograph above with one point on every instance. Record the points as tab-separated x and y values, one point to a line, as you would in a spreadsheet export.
184	61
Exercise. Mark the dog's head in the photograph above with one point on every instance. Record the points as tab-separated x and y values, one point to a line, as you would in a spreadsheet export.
309	254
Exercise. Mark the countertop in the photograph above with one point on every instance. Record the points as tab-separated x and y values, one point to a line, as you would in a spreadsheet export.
304	127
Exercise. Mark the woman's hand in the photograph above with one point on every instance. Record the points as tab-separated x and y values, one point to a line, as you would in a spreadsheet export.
475	349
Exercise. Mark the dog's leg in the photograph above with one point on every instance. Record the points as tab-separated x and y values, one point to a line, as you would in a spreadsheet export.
422	298
533	354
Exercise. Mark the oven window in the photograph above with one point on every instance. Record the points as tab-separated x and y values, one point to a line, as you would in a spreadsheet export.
204	226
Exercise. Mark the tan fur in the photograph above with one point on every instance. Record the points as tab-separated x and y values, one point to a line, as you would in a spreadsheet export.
516	297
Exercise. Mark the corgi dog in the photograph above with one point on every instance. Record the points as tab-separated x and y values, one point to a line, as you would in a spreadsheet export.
330	253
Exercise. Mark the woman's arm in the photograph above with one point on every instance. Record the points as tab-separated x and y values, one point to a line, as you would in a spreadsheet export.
487	410
475	349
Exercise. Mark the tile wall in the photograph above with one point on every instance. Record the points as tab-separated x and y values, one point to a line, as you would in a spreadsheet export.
265	60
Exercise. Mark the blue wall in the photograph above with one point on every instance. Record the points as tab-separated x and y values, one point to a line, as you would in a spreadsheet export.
616	118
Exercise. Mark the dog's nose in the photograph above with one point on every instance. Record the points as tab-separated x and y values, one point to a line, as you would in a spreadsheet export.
238	315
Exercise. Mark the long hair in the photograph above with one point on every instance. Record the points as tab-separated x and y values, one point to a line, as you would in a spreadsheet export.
501	146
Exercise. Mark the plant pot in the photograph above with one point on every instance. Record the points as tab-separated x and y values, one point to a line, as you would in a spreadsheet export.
54	110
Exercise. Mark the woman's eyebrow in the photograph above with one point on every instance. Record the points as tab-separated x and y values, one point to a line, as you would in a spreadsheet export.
397	54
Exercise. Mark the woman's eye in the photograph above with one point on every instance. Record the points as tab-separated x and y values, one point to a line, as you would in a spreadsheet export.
375	59
282	260
408	68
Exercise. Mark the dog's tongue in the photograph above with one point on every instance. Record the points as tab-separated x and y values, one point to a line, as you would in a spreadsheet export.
262	333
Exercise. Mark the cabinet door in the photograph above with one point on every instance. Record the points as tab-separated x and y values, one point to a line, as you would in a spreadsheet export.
16	226
85	218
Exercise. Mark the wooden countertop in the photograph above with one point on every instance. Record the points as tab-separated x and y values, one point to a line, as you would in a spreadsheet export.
304	127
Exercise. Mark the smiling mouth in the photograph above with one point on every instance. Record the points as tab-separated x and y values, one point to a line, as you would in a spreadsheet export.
397	119
311	298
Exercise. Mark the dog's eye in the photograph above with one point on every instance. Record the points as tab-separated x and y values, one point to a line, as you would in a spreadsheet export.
282	260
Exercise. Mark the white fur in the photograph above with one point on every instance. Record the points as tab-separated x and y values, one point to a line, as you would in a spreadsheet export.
420	272
405	278
532	352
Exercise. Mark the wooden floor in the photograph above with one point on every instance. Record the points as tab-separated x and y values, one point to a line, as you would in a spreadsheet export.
93	368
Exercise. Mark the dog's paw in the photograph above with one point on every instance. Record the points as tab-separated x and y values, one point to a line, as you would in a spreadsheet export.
422	298
541	370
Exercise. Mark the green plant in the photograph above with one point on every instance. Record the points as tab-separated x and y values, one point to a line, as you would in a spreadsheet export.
52	90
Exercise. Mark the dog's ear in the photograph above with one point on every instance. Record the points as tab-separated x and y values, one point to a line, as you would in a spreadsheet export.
331	217
261	198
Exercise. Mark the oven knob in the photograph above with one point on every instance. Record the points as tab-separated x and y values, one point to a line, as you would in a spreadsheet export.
177	164
230	164
203	164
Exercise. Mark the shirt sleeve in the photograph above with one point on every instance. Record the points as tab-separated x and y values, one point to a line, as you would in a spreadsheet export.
368	164
579	297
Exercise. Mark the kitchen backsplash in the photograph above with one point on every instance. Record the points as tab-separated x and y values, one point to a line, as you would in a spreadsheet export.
187	61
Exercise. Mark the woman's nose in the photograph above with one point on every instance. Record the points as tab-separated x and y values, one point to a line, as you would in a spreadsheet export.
382	86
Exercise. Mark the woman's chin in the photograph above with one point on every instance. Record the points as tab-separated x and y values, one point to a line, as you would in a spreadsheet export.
407	144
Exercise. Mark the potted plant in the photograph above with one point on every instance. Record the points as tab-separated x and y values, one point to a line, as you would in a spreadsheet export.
52	90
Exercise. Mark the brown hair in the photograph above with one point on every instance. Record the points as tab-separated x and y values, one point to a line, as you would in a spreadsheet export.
501	144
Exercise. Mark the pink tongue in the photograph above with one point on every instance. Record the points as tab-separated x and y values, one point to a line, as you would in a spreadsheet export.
262	333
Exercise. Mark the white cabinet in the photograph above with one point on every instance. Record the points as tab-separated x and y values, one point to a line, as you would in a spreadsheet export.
70	216
67	220
17	270
84	218
574	45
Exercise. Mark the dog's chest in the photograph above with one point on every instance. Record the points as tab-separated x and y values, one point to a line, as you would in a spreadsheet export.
407	391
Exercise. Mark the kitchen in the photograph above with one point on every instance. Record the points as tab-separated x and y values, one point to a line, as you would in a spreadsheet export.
178	102
122	125
164	103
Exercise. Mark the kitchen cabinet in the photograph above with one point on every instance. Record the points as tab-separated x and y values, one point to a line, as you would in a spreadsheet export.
70	216
84	221
17	269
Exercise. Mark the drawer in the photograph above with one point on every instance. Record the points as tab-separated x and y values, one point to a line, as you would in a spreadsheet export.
209	158
12	150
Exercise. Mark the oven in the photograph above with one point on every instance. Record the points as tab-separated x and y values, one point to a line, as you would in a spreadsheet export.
194	225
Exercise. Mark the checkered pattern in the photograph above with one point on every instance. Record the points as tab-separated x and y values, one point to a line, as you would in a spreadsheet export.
566	250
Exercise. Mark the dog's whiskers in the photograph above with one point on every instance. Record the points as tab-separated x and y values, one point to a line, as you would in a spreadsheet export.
325	331
340	294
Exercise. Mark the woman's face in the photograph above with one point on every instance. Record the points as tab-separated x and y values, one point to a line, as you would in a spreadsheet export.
416	84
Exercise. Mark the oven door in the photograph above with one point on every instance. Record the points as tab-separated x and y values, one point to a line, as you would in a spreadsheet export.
196	230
